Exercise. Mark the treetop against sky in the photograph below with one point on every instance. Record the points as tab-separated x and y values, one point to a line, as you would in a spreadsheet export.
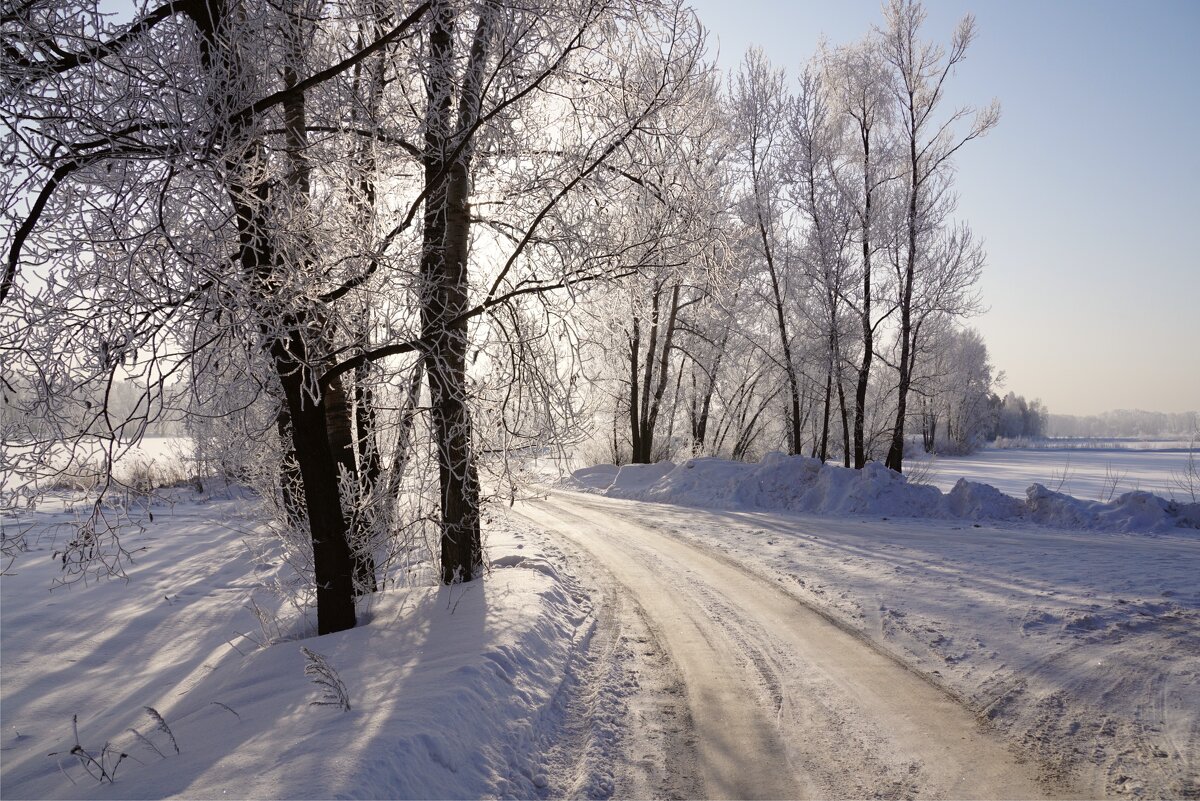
1084	194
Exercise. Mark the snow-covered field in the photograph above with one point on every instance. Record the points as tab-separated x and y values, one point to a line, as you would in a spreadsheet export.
1082	644
454	692
163	460
1088	473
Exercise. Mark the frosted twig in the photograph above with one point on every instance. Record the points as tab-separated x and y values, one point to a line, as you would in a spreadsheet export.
162	726
324	676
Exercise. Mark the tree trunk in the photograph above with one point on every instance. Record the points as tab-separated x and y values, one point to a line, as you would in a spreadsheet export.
823	454
635	430
652	402
868	332
929	424
845	420
645	435
339	421
332	560
895	457
259	260
446	239
700	426
291	493
797	433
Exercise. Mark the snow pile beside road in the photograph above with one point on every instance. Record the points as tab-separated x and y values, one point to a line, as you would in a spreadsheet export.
801	484
455	692
1133	511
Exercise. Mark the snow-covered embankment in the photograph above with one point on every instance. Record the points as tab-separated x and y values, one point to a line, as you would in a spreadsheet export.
453	691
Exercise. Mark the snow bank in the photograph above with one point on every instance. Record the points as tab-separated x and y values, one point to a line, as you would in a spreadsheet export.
455	692
801	484
1133	511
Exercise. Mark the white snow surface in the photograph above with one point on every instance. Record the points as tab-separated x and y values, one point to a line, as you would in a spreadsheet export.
1072	626
802	484
455	692
1092	473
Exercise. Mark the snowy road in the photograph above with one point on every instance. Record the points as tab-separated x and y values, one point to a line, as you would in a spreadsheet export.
785	703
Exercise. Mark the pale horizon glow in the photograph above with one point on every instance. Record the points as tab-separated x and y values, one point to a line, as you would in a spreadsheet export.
1085	194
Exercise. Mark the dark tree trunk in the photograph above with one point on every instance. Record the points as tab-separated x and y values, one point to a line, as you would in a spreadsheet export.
447	227
797	422
895	457
332	560
656	361
868	332
845	421
645	436
700	416
339	422
259	262
309	435
929	426
635	430
823	454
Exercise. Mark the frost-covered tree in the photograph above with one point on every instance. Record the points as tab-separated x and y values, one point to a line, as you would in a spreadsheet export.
858	81
816	188
378	186
758	104
929	140
954	388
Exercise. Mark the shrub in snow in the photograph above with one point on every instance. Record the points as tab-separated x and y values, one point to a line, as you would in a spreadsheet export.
101	767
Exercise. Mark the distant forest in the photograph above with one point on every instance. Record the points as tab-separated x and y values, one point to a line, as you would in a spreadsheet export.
1126	423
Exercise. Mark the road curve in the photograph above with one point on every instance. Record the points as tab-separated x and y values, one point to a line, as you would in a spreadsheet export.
785	704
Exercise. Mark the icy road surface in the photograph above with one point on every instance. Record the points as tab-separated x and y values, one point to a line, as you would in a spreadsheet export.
785	703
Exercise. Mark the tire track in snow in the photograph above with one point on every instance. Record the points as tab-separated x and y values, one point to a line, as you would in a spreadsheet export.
786	703
619	673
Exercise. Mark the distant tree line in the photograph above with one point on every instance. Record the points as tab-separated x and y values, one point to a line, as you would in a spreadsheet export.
1125	423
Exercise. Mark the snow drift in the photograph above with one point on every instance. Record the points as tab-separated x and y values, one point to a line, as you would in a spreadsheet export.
802	484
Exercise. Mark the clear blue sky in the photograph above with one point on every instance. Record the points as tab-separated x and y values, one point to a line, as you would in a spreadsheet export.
1086	193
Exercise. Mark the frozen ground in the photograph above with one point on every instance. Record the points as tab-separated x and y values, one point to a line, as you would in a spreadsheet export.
1081	644
454	692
